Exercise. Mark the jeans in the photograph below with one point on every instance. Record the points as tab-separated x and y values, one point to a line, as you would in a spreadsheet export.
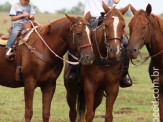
17	28
125	42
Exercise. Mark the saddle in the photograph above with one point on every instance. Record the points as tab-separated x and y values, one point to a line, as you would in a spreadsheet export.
94	22
27	27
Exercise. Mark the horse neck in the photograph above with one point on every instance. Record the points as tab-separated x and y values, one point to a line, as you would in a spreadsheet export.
59	37
155	44
98	37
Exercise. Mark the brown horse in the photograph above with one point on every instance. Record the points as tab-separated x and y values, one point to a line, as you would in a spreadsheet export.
147	29
104	74
40	67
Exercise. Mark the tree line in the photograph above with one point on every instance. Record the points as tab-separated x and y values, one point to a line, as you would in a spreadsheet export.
76	10
7	6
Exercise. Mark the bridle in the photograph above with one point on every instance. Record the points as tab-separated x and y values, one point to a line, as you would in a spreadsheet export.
106	39
73	38
80	48
143	43
40	56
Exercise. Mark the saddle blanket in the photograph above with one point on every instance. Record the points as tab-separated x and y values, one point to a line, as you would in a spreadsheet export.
3	42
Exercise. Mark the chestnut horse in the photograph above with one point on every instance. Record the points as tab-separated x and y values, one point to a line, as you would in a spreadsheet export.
61	35
104	74
147	29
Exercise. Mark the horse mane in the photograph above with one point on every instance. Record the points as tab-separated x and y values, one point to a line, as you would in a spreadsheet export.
161	23
155	18
158	20
45	28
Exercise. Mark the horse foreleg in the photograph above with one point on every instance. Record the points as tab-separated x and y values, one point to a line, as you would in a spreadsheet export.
30	85
71	100
97	100
89	98
47	95
111	92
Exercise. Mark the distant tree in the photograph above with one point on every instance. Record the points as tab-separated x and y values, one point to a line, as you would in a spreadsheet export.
161	14
5	7
77	10
37	10
62	11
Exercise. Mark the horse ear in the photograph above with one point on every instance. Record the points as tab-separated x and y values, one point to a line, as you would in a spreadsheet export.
88	16
105	7
149	9
72	19
133	10
124	10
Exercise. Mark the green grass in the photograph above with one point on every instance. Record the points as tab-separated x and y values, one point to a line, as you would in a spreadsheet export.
132	105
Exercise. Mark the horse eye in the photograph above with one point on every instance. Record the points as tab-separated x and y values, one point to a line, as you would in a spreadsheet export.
79	34
143	27
106	26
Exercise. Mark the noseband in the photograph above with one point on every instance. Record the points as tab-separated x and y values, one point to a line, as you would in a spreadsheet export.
109	39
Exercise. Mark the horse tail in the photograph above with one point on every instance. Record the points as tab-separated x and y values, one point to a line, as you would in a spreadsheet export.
81	105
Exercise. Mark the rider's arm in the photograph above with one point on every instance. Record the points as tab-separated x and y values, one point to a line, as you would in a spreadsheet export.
14	18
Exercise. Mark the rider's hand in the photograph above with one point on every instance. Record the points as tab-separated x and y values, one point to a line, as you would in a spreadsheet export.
25	14
31	17
116	1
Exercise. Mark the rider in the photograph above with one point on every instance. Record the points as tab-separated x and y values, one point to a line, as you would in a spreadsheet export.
20	14
94	9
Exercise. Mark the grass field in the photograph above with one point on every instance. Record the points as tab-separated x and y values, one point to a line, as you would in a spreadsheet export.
132	105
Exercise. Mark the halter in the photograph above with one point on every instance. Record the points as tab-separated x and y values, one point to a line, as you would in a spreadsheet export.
143	43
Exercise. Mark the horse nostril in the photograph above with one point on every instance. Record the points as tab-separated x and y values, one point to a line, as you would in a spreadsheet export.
111	50
135	50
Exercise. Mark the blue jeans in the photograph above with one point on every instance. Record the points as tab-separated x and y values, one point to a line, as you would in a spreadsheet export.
17	28
125	42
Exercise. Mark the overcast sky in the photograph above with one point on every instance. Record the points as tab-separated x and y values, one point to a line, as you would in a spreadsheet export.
53	5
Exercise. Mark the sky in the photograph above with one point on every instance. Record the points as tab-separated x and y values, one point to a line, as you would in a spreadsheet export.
53	5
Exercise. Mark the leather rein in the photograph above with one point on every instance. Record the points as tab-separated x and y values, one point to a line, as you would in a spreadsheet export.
143	43
44	57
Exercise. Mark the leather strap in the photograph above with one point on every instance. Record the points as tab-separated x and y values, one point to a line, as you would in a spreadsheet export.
42	57
39	54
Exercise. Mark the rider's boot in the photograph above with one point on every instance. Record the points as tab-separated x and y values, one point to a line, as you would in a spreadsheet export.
125	82
10	55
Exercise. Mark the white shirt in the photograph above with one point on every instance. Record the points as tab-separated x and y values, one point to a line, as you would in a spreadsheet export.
95	7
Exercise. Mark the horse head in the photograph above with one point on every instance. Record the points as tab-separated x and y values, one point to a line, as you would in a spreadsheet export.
113	26
139	31
81	39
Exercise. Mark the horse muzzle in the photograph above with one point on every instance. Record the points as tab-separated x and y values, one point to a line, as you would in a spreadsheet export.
87	59
133	52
